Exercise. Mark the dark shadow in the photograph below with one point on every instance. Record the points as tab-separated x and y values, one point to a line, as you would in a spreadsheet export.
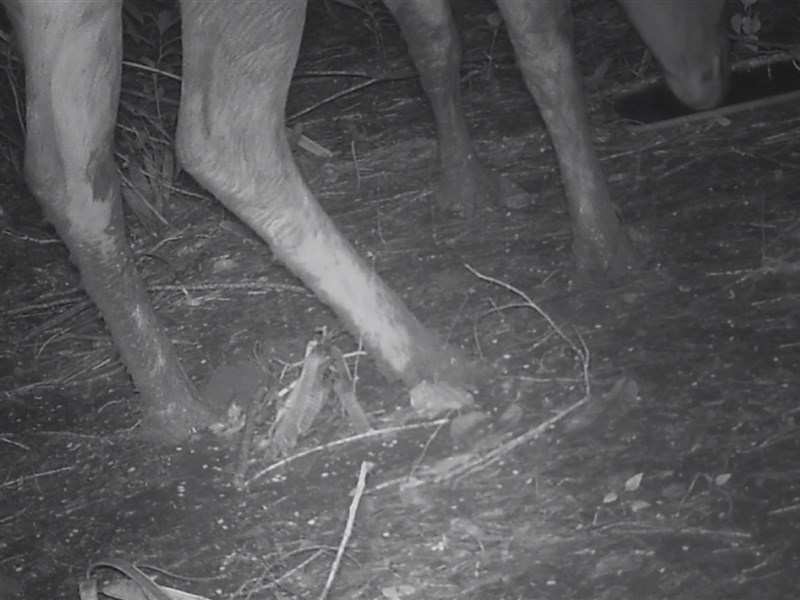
657	103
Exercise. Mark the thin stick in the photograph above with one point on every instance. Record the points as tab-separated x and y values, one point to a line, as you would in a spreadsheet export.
253	287
533	305
260	398
428	442
491	457
722	111
20	480
355	164
347	440
366	467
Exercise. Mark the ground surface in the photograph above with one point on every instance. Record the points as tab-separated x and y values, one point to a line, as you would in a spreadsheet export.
683	484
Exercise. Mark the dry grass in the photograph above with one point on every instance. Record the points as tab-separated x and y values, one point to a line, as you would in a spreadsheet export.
665	466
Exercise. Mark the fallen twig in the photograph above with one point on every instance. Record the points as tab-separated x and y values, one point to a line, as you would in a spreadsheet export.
488	458
20	480
366	467
347	440
582	352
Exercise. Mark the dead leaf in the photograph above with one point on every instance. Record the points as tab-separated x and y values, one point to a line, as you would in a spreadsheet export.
304	402
633	483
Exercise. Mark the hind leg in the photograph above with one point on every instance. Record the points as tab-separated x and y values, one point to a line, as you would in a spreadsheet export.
72	54
540	31
464	184
232	138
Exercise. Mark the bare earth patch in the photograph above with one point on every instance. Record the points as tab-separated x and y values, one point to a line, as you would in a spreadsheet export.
675	476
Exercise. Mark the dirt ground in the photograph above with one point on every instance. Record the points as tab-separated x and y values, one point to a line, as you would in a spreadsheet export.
676	476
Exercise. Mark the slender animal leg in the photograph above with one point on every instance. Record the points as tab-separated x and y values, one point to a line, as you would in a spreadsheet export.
231	137
464	184
72	54
541	34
